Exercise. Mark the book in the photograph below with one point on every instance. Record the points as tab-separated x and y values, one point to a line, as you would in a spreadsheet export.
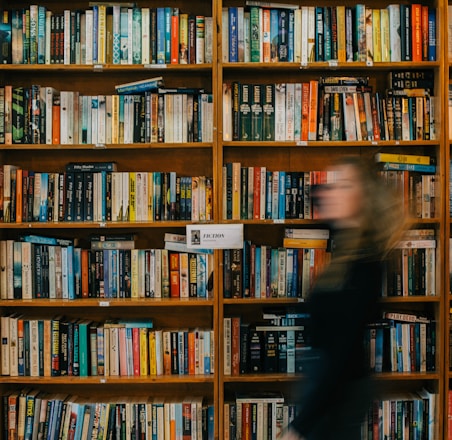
141	86
404	158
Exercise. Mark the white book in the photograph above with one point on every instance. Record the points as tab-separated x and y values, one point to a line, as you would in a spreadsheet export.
101	120
158	273
67	36
114	350
66	117
145	35
311	34
50	92
14	347
394	33
290	112
5	346
10	268
304	35
27	270
280	112
130	35
34	348
89	19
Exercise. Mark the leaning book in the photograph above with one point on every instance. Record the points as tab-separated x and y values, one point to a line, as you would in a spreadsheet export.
142	86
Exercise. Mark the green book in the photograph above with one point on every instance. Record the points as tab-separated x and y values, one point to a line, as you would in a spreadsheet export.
255	33
245	112
268	112
256	113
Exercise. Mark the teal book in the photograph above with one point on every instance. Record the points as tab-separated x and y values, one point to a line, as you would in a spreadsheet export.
245	112
41	34
136	35
116	43
123	38
84	347
43	205
255	35
17	269
160	37
268	112
167	33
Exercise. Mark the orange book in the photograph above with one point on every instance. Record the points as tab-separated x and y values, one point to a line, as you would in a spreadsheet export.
191	352
175	39
424	32
56	121
305	111
246	421
166	338
85	271
312	112
19	195
416	35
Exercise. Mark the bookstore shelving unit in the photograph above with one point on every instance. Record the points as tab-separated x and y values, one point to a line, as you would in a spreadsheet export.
186	159
296	155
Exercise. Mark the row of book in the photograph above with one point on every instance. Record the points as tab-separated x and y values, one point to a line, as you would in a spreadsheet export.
127	196
401	342
407	415
323	110
264	348
59	346
306	34
263	415
40	267
105	34
262	271
31	413
44	115
257	193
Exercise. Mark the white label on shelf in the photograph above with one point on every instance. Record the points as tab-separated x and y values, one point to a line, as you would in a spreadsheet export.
332	63
103	380
100	146
98	67
102	224
215	236
304	64
302	143
374	142
104	303
369	63
155	66
279	221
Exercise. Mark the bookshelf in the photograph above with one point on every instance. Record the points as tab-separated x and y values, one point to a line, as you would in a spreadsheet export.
315	153
207	158
195	316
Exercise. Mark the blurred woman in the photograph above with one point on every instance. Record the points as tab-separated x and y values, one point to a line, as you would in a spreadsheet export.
366	220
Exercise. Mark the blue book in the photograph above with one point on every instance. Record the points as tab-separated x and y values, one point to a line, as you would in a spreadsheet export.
157	175
160	35
172	193
291	39
431	53
257	271
41	34
296	291
233	34
201	275
282	195
399	347
70	272
95	32
107	272
268	195
167	22
379	348
319	34
44	197
210	422
274	37
289	272
206	351
408	167
327	32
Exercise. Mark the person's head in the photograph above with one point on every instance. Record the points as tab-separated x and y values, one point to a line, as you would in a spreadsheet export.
356	197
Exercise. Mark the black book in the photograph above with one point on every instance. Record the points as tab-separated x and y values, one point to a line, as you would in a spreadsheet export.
255	351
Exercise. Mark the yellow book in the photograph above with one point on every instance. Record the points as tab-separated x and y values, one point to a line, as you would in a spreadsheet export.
305	243
132	197
144	358
341	52
403	158
152	354
385	36
183	38
102	34
236	191
115	119
150	196
376	34
134	273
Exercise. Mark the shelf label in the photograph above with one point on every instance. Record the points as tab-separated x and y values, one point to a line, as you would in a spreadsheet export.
100	146
102	224
302	143
304	64
279	221
333	63
369	63
215	236
98	67
104	303
155	66
374	142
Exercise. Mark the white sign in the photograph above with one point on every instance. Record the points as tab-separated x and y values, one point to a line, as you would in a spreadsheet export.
215	236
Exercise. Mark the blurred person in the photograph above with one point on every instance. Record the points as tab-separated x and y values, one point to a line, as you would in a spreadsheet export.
366	220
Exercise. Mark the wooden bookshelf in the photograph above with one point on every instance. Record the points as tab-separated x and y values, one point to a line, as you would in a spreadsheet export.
208	158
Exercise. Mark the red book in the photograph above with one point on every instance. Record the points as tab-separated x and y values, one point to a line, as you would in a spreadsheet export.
85	271
257	192
305	111
175	39
174	275
19	195
416	29
136	350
